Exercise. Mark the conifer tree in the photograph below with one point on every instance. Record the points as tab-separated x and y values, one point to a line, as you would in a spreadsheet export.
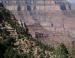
61	51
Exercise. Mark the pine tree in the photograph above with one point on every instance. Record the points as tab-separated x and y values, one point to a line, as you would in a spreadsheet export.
61	51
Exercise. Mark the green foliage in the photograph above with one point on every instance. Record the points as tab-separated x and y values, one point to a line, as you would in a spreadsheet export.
4	33
43	46
2	50
61	51
20	30
72	52
9	53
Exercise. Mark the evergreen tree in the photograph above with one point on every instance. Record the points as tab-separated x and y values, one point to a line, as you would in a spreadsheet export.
72	52
61	51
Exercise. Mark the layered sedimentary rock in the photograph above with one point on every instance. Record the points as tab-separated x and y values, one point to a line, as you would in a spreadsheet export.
52	20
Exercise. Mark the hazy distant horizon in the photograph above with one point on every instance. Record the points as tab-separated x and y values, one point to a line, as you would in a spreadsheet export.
71	1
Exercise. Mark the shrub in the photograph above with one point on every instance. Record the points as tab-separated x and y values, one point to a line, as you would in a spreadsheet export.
61	51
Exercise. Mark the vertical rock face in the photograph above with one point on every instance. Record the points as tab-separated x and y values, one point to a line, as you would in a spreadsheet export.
55	18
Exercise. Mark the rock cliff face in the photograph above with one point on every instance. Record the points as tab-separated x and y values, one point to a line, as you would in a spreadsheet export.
46	17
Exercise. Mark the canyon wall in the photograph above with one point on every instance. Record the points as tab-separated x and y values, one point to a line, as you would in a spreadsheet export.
47	18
